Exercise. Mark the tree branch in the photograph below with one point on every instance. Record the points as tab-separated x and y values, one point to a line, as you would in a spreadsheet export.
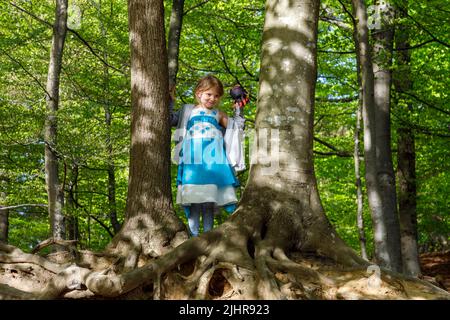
93	52
336	100
347	11
405	12
50	241
26	71
248	72
198	5
24	205
31	14
338	152
224	59
70	30
424	102
420	129
339	23
415	46
107	228
336	52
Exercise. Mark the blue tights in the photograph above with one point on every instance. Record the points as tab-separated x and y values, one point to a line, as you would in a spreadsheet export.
207	211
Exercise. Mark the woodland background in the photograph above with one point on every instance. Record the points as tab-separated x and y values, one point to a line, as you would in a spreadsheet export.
219	37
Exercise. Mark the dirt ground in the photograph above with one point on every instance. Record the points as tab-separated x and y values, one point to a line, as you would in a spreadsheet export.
437	266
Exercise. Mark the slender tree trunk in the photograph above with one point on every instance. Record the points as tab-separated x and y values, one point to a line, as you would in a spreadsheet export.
382	64
54	189
368	113
72	219
383	252
406	158
4	225
150	224
109	145
358	182
176	22
112	190
4	214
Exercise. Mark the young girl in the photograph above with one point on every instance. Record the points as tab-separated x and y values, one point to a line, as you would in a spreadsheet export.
205	178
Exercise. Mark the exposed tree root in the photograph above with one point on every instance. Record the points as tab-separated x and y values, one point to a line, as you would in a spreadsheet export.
229	262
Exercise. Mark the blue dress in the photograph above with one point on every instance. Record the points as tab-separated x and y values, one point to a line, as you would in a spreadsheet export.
204	172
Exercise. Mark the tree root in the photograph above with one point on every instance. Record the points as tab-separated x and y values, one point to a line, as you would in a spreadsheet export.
15	255
225	269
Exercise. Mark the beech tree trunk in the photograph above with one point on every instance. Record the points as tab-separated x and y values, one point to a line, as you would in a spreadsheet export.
386	243
382	64
406	158
4	225
71	205
358	182
109	144
368	113
176	22
282	188
150	225
54	189
4	213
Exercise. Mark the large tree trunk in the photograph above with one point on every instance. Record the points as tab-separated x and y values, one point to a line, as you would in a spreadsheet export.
176	22
406	158
150	223
284	195
382	63
54	189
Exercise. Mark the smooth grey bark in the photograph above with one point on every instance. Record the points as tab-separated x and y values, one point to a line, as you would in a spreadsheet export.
406	157
72	219
385	255
382	64
150	225
358	182
282	188
4	213
368	113
4	225
176	23
54	189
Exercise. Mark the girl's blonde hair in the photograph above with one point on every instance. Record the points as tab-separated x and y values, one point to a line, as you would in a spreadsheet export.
207	83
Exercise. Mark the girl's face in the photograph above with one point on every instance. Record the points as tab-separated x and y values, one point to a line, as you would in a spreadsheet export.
208	98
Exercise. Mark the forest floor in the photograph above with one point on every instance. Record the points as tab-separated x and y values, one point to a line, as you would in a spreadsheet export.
437	265
25	280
